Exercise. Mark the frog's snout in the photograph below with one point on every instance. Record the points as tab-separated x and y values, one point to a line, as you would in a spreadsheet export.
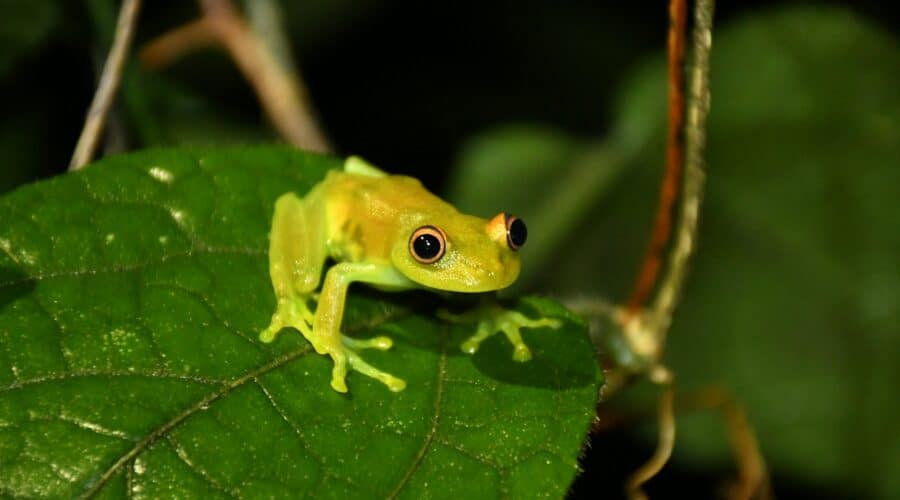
497	272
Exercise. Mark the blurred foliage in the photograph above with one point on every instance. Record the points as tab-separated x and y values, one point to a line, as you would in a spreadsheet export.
794	298
556	113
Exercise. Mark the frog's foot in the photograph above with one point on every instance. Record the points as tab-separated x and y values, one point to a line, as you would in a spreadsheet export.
291	312
345	356
493	319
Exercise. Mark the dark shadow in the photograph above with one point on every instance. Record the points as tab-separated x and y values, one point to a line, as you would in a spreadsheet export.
556	364
611	456
562	358
14	284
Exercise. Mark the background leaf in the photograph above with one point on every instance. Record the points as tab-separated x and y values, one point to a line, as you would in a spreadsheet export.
793	301
131	295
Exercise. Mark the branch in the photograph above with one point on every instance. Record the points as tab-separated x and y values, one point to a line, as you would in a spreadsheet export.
261	57
647	276
694	178
106	89
645	328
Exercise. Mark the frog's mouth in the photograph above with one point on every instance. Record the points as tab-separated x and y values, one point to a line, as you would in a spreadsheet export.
466	279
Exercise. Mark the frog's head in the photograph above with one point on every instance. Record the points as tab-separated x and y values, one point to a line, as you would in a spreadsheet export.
460	253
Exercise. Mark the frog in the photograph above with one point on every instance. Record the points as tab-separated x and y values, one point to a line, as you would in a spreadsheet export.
388	232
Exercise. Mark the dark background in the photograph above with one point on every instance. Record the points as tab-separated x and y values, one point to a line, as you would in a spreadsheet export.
404	83
418	88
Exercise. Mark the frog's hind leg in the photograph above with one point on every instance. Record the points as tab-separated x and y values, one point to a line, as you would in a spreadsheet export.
297	253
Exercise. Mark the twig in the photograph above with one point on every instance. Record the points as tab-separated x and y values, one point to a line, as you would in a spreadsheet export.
694	177
106	89
646	328
664	446
165	49
262	59
662	229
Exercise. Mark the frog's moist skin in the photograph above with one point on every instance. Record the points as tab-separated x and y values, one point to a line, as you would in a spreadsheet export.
389	232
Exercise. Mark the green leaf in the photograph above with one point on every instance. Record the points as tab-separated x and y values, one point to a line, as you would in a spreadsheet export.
131	295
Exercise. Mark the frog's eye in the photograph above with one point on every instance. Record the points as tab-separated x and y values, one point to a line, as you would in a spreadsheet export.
427	244
516	232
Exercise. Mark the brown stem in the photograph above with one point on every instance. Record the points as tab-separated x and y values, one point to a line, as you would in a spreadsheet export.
167	48
662	228
694	178
277	85
106	88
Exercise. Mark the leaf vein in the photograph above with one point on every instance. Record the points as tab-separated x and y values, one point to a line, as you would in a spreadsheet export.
435	420
300	436
93	488
56	377
137	266
183	456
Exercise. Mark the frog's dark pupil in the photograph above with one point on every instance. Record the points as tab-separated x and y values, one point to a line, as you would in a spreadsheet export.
427	246
517	234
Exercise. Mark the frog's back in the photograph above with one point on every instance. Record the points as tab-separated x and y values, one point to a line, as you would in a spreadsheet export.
370	212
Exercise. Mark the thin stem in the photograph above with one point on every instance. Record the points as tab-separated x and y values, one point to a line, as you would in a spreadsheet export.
106	89
662	228
664	446
694	178
167	48
265	18
262	56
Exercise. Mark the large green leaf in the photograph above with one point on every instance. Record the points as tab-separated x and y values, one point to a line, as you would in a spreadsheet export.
131	295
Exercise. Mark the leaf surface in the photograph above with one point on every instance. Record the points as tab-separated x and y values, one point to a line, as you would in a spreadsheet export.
131	296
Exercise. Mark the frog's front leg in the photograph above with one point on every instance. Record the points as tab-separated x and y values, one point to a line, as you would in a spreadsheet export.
492	319
327	323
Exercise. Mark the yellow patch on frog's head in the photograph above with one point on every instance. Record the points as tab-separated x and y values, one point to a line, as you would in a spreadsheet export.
449	251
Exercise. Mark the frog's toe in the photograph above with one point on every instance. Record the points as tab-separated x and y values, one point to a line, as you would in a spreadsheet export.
275	326
381	343
469	346
393	383
521	353
268	335
339	384
548	322
339	372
